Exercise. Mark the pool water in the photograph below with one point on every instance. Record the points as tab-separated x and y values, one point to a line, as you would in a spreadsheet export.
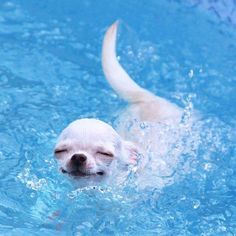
50	75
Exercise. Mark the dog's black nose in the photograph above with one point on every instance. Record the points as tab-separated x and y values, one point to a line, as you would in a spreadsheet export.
78	159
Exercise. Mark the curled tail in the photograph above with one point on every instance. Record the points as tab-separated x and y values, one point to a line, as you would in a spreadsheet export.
115	74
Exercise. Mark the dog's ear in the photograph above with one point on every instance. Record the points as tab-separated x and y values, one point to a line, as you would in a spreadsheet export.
130	153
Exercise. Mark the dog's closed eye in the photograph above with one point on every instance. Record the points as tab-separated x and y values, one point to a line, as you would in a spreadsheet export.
60	151
105	153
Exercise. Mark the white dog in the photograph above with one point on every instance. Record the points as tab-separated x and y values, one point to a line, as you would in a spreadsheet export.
88	147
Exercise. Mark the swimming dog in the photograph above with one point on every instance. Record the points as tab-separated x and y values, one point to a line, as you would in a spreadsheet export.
88	147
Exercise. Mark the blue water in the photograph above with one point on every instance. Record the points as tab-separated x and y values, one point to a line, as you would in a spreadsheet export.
50	75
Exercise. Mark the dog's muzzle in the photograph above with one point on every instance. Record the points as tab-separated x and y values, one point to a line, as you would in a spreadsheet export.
77	162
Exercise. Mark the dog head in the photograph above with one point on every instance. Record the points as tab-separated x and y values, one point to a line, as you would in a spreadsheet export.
88	147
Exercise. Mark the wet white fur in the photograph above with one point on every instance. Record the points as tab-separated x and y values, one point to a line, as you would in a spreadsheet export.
88	135
143	104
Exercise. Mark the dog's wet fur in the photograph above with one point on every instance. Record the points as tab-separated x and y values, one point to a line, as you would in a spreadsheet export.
88	147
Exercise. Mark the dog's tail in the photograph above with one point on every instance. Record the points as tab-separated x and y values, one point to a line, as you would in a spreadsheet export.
118	78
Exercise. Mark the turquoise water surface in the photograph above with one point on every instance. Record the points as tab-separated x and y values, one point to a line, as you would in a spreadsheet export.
50	75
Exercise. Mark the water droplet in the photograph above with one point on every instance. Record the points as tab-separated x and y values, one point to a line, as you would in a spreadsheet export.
190	74
196	204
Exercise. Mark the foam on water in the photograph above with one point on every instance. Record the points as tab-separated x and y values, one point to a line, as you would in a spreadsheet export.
50	75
